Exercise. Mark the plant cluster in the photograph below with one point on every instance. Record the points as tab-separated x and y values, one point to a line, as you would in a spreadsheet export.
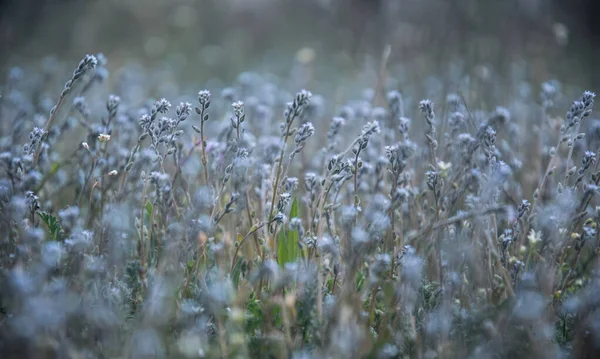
251	222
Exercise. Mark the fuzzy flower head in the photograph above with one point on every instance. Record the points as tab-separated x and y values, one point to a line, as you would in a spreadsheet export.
588	98
426	107
338	122
183	111
589	158
370	128
453	101
284	200
113	102
87	63
204	97
161	106
403	125
291	184
37	134
579	109
295	108
304	132
394	98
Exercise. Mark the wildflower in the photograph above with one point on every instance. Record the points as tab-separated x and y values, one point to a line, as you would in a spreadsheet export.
103	137
85	145
112	104
426	107
238	108
204	98
534	237
395	100
113	173
291	184
161	106
579	110
370	128
444	166
403	126
523	208
183	111
295	108
284	200
549	93
238	111
304	132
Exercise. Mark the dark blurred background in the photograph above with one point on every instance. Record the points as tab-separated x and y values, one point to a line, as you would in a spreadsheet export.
224	37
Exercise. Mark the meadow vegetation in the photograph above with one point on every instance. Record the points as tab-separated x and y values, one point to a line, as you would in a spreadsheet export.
263	221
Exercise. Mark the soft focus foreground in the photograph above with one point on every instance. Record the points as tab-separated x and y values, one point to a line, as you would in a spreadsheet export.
414	209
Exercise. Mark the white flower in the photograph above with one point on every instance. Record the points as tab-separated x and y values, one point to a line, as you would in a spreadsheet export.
444	166
85	145
103	137
113	173
534	237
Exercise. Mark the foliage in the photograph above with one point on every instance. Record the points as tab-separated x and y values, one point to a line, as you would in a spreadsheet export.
259	223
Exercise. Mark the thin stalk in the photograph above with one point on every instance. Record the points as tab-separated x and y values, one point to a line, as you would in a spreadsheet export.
323	196
393	222
252	231
89	176
77	75
142	244
575	132
52	172
47	127
540	188
249	214
356	186
287	331
372	307
289	121
203	147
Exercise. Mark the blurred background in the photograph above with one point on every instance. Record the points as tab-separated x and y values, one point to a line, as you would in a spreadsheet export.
204	39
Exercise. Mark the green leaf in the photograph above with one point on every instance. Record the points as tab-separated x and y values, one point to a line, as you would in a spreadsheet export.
293	236
282	249
149	208
287	245
236	272
52	223
254	313
294	211
360	280
54	168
